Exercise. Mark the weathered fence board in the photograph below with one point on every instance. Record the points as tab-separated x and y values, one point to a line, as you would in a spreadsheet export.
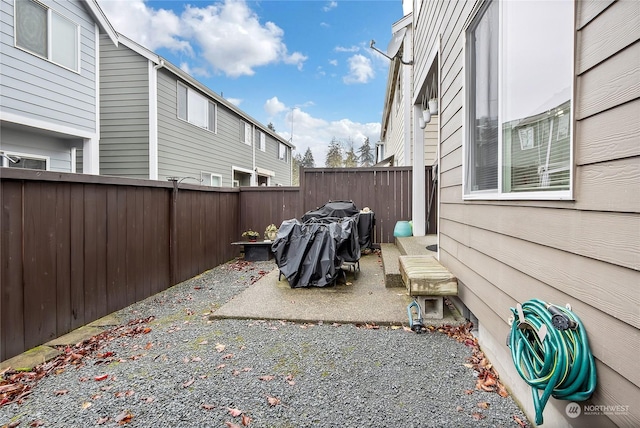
74	247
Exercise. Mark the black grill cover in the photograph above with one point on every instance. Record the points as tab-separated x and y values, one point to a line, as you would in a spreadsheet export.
337	209
310	254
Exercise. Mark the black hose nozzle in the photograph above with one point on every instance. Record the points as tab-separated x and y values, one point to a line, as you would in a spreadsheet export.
560	320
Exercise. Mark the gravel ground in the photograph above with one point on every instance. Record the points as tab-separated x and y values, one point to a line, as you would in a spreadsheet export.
190	371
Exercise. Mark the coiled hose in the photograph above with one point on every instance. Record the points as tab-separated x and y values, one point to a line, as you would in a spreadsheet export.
550	350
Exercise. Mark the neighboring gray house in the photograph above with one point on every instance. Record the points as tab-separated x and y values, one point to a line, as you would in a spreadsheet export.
538	159
159	122
49	83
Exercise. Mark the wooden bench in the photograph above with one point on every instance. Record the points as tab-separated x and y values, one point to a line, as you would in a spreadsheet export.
424	276
257	251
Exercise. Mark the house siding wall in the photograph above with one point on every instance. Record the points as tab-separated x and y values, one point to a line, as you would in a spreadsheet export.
124	109
585	252
36	89
396	143
185	150
30	143
269	160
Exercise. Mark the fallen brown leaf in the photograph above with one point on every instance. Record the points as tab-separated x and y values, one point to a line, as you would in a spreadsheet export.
519	421
267	378
234	412
208	406
86	405
101	377
273	401
477	416
483	405
124	417
246	420
100	421
36	423
468	391
227	356
220	347
188	383
232	425
61	392
459	408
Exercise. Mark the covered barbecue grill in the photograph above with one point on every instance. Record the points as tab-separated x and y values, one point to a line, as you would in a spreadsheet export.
311	253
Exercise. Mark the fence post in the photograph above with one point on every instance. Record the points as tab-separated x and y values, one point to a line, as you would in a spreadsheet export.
173	234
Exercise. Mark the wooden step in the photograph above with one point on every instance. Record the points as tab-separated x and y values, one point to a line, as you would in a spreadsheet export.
390	266
425	276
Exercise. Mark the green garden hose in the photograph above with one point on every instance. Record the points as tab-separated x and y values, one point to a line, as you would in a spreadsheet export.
550	350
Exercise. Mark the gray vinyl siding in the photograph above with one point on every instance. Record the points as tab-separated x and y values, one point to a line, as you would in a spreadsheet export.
269	160
585	252
25	142
35	88
186	150
124	110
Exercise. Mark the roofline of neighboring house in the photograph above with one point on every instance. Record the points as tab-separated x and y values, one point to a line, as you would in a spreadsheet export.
389	93
151	56
101	18
394	66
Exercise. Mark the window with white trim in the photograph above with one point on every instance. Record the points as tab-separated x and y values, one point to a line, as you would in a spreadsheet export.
47	34
14	160
210	179
518	143
245	132
196	109
282	152
262	141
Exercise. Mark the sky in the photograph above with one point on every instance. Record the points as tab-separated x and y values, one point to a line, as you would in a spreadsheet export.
304	66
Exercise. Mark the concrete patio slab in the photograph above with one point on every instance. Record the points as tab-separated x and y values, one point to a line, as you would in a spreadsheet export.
365	300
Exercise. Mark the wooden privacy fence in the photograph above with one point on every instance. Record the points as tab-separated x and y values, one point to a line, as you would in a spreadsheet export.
74	247
386	191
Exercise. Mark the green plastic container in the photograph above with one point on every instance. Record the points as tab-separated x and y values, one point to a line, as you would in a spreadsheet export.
402	229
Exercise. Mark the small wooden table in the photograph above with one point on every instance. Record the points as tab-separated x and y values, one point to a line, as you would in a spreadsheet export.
257	251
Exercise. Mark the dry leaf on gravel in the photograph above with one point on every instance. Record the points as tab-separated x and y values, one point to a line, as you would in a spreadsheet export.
234	412
267	378
124	417
273	401
477	416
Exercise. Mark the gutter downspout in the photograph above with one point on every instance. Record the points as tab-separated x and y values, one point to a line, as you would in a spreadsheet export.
153	119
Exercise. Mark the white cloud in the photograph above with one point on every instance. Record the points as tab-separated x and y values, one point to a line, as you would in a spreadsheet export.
333	62
316	133
235	101
360	70
229	35
330	5
273	106
346	49
324	24
151	28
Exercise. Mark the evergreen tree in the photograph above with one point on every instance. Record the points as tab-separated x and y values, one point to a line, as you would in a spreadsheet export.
307	159
351	160
366	157
295	171
334	154
271	127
